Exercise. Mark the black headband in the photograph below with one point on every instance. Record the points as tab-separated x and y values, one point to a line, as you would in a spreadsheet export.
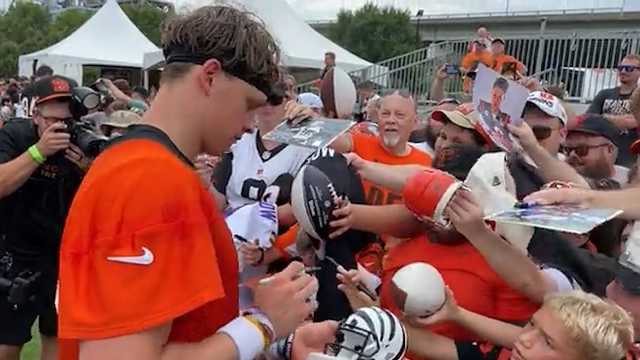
181	54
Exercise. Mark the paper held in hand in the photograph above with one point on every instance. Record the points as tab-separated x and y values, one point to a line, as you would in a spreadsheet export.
556	217
311	133
499	102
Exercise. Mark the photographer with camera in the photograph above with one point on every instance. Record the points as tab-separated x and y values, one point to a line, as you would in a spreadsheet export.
40	171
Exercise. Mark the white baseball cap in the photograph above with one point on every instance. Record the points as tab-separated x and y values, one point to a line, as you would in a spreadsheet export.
310	100
548	104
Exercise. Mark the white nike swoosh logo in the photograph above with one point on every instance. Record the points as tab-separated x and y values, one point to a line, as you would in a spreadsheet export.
145	259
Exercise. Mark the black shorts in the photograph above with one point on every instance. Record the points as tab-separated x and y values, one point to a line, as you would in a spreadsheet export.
15	326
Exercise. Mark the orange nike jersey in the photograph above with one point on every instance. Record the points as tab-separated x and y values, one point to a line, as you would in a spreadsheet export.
144	244
369	148
476	286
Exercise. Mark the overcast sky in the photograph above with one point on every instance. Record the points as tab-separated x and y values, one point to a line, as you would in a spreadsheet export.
326	9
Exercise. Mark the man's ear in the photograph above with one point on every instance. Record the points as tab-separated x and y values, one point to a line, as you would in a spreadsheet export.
211	69
563	134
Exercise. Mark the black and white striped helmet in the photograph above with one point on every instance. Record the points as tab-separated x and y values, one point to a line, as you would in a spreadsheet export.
370	333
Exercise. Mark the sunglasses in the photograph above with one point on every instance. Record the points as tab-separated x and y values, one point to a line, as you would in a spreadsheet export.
542	132
581	150
628	68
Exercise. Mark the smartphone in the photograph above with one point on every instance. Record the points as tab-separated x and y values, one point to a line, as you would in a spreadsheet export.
452	69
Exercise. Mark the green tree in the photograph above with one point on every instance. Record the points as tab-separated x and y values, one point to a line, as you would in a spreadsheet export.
148	19
66	23
374	33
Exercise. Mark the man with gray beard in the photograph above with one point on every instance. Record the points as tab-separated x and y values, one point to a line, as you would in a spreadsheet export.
396	120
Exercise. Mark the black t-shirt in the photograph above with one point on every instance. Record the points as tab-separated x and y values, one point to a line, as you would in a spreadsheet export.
612	102
481	351
333	305
33	216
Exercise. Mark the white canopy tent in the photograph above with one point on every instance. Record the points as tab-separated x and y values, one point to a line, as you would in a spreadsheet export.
108	38
301	45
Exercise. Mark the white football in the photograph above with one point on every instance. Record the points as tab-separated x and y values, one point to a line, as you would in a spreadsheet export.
418	290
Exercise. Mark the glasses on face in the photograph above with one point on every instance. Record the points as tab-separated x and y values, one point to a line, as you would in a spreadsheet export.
628	68
542	132
581	150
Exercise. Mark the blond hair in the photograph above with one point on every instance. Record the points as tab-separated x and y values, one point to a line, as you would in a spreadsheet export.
599	329
633	57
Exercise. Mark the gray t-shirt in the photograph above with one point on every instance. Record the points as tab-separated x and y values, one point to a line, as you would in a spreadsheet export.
612	102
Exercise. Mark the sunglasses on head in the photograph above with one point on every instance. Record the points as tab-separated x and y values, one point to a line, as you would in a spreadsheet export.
628	68
581	150
541	132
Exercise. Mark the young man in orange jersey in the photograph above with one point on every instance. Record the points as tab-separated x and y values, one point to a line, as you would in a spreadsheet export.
148	269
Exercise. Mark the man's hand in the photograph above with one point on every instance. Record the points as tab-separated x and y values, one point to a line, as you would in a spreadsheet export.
571	196
285	298
313	337
350	281
252	254
355	161
54	139
465	214
205	164
449	312
441	74
344	218
76	156
297	113
525	135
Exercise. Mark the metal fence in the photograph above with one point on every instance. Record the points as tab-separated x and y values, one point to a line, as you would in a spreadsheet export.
582	63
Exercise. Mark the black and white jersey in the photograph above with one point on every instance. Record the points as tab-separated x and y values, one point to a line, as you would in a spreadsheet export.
249	168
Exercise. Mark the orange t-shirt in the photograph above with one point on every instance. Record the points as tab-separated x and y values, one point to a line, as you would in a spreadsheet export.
369	148
472	58
476	286
143	245
500	60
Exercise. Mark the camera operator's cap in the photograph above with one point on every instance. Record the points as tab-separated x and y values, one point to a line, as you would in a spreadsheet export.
122	119
628	271
548	104
51	87
598	125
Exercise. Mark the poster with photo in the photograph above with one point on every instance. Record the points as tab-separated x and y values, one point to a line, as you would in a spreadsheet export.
499	102
556	217
311	133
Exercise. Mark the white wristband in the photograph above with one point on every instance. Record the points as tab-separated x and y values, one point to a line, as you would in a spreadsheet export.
246	336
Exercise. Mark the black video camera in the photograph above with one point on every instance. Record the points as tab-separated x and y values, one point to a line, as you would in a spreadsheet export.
21	289
83	133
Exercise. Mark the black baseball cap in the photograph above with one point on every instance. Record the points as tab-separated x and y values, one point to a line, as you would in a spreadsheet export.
598	125
51	87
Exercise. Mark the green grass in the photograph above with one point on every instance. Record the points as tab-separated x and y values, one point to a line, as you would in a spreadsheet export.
31	351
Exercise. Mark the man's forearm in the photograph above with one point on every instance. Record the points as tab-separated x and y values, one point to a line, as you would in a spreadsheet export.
343	144
218	346
437	90
392	177
627	200
494	331
553	169
394	220
426	344
15	173
624	122
515	267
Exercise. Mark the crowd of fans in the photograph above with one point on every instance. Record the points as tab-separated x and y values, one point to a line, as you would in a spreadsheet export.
512	291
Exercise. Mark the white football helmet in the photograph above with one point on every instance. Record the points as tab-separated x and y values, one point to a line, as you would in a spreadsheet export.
368	334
